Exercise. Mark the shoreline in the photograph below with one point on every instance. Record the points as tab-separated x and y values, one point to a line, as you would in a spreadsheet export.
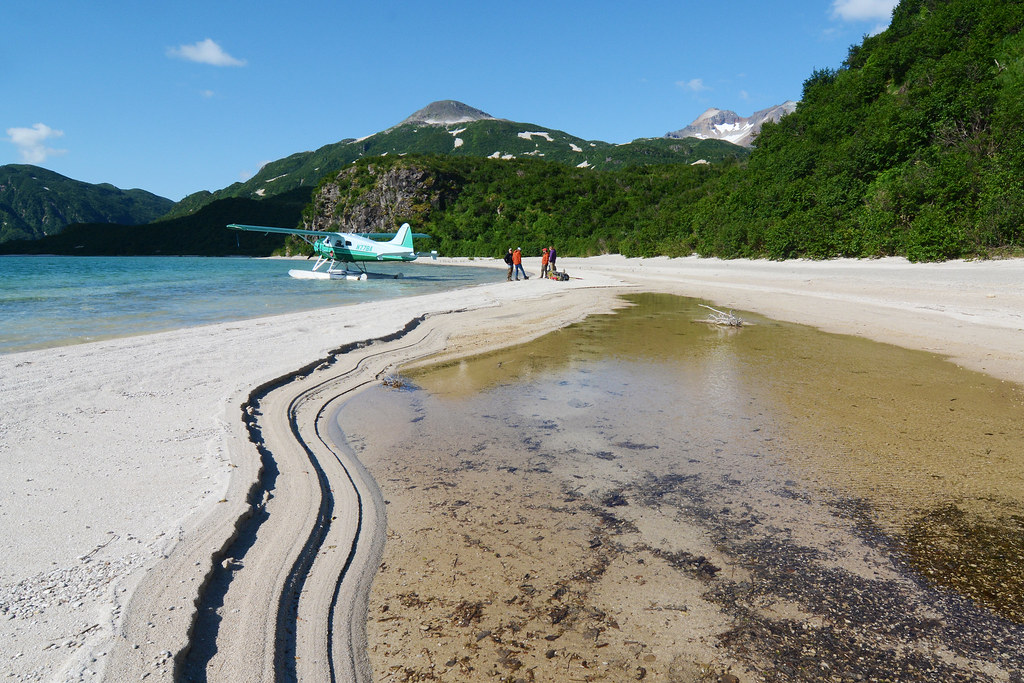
158	452
971	312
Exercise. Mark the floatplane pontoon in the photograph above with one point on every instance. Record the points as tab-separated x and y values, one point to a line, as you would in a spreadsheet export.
346	247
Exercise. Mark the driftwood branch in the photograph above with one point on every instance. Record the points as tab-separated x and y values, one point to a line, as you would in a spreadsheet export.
718	317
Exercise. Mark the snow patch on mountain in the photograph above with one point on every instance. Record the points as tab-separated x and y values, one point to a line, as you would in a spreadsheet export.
529	136
722	124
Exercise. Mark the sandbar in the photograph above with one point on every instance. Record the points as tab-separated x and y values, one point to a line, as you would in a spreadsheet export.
128	467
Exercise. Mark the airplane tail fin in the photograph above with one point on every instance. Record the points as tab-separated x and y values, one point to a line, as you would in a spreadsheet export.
404	237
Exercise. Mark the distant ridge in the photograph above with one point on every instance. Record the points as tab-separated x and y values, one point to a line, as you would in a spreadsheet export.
446	112
450	127
35	202
722	124
444	127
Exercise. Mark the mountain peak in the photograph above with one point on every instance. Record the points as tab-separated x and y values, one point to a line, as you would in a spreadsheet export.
444	112
710	113
722	124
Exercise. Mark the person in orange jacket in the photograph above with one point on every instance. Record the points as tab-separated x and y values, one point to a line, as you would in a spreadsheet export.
544	262
517	262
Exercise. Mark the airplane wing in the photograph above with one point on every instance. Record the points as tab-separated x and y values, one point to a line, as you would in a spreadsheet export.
389	235
286	231
318	233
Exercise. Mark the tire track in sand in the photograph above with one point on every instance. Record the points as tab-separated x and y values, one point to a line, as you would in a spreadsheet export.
284	597
215	608
324	531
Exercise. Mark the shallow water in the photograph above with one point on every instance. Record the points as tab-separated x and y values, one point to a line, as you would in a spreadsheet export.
775	442
905	429
50	301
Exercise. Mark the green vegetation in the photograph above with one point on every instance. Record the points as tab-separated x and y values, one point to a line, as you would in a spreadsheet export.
473	139
915	147
36	202
480	207
201	234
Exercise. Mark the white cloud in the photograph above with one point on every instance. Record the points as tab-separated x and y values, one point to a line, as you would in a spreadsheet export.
694	84
31	142
205	52
863	10
245	174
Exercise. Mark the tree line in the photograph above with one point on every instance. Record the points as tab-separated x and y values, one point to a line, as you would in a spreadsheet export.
913	147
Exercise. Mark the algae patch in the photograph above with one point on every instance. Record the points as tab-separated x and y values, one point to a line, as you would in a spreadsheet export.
983	560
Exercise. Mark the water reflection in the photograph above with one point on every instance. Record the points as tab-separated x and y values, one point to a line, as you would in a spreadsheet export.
643	496
905	432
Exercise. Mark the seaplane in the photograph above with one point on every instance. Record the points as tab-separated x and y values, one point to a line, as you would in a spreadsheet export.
347	248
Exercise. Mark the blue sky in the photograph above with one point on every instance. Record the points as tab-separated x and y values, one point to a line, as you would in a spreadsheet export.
184	96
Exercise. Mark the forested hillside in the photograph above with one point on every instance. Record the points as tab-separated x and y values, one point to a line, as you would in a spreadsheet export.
481	207
202	233
35	202
496	138
914	146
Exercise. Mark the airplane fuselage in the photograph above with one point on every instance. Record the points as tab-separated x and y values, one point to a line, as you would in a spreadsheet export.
346	247
349	247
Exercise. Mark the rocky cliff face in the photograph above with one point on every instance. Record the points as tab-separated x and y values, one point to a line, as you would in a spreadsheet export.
378	198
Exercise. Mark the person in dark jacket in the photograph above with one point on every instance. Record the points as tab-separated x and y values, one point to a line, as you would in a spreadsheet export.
551	258
508	261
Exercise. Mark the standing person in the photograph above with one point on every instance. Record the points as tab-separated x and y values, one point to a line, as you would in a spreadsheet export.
517	261
508	260
544	263
551	258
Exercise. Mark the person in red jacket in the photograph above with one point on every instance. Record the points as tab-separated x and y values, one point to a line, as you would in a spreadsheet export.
517	262
544	262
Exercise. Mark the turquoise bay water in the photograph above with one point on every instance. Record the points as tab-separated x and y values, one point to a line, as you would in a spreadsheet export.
48	301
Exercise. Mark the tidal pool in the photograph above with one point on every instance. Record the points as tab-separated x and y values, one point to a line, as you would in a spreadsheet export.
644	495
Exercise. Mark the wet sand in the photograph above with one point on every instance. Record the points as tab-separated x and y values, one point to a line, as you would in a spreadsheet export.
643	497
130	472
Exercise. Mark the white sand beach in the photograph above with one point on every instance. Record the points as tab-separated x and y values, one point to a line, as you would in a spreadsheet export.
127	463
